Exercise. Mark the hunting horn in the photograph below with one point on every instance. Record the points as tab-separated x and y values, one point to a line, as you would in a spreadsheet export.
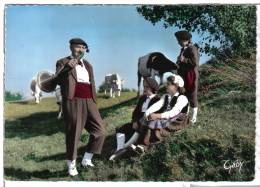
48	81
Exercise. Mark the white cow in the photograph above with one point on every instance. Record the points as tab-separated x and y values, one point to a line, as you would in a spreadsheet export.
59	101
154	64
36	91
113	84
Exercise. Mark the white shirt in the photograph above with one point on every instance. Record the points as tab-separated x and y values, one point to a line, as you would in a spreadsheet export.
81	72
146	103
182	101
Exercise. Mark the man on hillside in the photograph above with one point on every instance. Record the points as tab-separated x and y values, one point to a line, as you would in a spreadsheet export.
76	80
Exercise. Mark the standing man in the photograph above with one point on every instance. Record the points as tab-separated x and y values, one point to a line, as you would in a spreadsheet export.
188	62
76	80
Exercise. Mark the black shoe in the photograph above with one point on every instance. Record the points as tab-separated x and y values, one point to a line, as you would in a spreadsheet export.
117	154
140	149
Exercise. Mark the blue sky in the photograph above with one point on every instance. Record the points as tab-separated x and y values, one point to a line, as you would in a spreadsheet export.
37	36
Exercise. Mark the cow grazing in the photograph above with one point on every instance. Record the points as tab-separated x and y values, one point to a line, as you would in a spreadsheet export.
59	101
36	91
154	64
113	84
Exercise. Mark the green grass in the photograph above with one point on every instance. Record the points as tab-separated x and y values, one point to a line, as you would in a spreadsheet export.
34	147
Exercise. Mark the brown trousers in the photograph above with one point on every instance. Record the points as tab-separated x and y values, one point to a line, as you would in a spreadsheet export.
82	113
192	97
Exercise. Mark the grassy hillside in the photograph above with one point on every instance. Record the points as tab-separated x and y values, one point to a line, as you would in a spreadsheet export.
34	146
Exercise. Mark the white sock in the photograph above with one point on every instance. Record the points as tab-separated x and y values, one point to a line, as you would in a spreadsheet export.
71	163
194	114
120	139
132	139
88	156
188	110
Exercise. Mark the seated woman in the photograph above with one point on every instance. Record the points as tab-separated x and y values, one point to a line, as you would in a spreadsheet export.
172	107
131	131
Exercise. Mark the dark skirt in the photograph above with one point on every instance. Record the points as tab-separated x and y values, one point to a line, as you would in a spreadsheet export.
160	123
154	136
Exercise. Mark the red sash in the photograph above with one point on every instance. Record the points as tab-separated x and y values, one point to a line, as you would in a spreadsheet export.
83	90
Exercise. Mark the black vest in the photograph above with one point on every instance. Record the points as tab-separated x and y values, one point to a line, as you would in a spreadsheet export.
137	113
168	106
152	101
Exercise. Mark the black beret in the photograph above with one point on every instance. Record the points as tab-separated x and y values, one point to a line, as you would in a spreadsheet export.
183	35
152	83
79	41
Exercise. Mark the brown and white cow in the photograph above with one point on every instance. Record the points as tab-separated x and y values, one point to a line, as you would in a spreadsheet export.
35	91
154	64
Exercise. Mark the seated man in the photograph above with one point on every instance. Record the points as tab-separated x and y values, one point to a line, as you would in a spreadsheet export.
169	111
131	131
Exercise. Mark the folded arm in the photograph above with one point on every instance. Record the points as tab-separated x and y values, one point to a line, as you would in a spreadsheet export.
182	101
155	107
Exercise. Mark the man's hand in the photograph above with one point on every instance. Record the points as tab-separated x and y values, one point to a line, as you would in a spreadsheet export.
72	63
154	116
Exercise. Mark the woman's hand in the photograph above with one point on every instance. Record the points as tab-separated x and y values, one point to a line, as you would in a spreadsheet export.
154	116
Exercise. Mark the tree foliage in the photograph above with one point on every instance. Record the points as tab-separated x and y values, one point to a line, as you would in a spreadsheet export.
231	27
9	96
101	88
